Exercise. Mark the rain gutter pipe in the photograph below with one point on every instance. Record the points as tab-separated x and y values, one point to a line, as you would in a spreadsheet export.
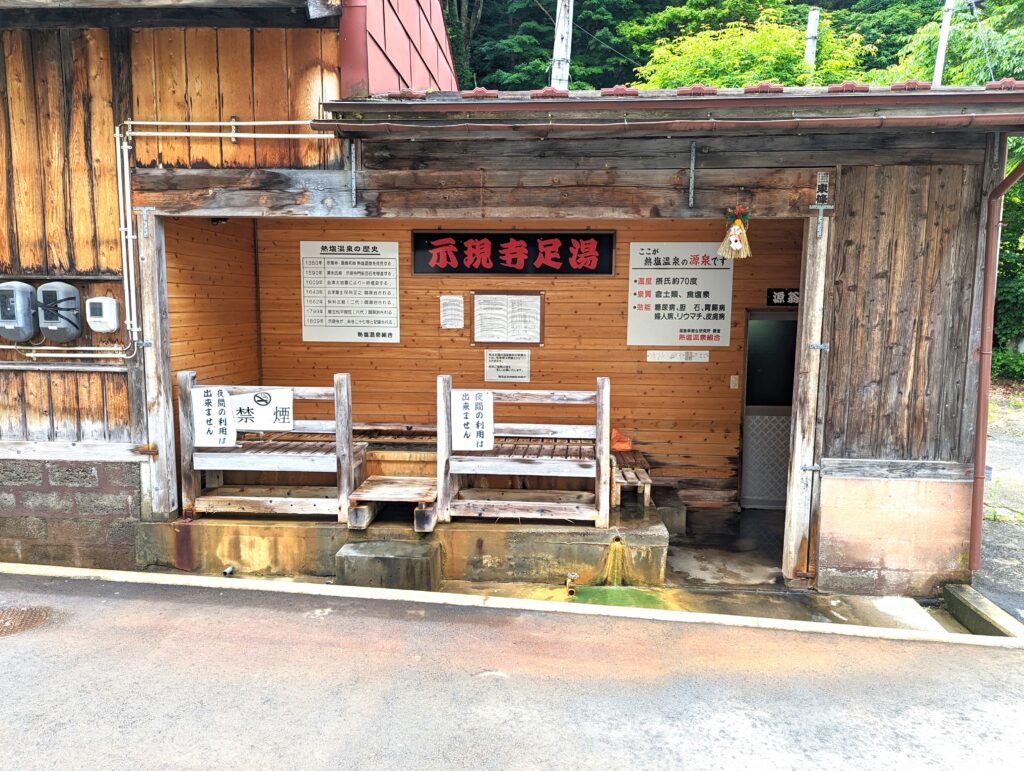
988	307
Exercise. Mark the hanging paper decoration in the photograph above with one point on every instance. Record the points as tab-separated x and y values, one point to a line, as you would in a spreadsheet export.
735	245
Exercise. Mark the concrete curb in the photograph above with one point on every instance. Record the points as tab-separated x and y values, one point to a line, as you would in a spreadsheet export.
979	614
502	603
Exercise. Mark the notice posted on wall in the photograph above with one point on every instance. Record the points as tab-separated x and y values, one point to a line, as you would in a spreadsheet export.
508	318
472	420
271	409
212	423
453	311
681	356
350	291
680	294
507	366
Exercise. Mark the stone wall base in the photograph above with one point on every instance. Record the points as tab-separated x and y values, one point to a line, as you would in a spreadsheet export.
77	514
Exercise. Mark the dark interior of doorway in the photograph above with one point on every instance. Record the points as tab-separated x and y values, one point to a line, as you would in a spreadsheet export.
749	553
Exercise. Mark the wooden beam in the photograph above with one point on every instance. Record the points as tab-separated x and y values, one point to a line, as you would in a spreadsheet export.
602	449
96	452
873	468
345	461
265	461
546	467
152	261
616	194
545	430
523	509
135	18
799	489
189	475
444	447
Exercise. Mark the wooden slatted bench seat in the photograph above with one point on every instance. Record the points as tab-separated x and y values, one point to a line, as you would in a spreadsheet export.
532	450
631	472
305	449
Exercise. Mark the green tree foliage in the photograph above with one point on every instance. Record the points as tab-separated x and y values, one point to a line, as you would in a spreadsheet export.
511	49
742	53
993	39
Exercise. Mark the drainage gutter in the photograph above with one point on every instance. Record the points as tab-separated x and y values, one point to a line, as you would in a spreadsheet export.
988	308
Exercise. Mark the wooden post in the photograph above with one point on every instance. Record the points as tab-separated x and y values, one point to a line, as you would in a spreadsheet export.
602	451
343	441
800	488
444	447
157	362
189	476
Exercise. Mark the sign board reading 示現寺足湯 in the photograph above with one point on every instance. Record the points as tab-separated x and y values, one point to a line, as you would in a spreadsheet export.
514	253
680	294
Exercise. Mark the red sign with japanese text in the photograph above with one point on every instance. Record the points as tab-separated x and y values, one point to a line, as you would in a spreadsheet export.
572	254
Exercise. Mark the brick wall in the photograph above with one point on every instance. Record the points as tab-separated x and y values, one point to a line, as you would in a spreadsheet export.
79	514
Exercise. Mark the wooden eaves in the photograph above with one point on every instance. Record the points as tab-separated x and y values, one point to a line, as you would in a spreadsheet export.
28	14
587	114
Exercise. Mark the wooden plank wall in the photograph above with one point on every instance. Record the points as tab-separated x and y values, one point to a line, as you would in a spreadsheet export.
684	415
58	218
898	308
202	74
58	184
211	300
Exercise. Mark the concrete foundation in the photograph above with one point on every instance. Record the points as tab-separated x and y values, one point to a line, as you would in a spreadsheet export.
474	551
390	564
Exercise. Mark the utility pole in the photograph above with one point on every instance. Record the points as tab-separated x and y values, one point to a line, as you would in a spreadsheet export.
811	39
940	54
562	52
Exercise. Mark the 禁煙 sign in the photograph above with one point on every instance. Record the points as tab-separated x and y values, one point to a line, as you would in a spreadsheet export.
517	252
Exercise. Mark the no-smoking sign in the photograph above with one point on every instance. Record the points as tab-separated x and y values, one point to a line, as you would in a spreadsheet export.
267	410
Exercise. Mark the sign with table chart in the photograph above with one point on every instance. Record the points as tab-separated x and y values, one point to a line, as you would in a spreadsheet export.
508	317
680	294
212	422
268	410
472	420
350	291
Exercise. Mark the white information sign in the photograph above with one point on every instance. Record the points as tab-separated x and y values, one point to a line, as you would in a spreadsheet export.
350	291
508	366
268	410
507	318
212	425
687	356
453	311
472	420
680	294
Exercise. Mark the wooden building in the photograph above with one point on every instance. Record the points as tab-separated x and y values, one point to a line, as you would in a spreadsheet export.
246	138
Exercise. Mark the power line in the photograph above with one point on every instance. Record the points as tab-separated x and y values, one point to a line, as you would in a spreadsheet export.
981	36
593	37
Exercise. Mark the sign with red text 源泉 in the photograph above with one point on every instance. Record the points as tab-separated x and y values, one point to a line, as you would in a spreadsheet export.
516	252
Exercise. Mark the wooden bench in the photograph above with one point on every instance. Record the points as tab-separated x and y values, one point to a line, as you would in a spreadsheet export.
531	450
631	472
309	451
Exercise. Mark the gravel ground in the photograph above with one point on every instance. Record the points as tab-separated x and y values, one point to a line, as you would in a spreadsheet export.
1001	577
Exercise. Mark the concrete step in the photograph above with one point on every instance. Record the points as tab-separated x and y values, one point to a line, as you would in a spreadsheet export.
390	564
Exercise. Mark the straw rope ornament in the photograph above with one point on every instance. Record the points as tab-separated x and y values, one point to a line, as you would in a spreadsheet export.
735	245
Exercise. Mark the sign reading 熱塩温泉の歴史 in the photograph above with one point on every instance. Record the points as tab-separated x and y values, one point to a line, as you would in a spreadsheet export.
472	419
212	423
271	409
350	291
680	294
507	366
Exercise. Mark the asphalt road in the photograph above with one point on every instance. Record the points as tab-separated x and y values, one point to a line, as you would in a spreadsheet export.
127	676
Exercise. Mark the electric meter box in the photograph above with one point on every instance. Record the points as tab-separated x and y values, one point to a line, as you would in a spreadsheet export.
101	314
59	308
18	321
